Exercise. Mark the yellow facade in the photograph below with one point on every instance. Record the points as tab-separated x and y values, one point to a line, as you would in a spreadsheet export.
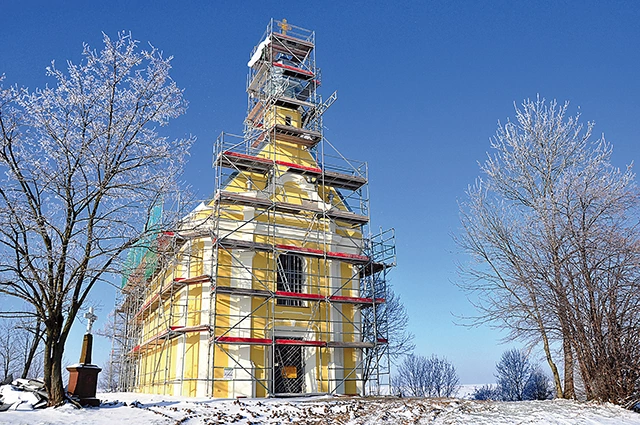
192	305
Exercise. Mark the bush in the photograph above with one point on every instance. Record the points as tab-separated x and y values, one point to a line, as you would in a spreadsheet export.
486	392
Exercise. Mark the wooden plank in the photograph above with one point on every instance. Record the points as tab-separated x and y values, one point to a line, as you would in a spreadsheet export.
344	181
301	342
249	163
355	300
243	291
299	295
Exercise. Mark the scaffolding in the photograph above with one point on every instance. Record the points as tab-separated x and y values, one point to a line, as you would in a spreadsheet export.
273	286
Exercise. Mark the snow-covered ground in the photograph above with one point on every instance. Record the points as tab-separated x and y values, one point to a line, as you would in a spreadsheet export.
121	408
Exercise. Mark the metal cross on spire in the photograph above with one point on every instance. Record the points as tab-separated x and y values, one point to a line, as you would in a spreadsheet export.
90	319
284	27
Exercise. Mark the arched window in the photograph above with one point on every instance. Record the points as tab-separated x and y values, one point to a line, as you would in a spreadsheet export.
290	277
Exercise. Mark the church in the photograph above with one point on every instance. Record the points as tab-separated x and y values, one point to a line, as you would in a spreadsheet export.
275	286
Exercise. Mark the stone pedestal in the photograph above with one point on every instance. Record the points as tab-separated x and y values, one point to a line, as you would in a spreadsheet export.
83	376
83	381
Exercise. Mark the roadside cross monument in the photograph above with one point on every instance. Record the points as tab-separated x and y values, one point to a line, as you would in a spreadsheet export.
83	377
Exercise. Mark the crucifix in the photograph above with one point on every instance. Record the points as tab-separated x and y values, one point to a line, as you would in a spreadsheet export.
83	377
90	319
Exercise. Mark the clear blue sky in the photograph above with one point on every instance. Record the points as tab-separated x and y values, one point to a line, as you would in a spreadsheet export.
422	85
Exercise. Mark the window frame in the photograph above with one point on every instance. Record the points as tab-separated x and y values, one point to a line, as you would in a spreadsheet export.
290	277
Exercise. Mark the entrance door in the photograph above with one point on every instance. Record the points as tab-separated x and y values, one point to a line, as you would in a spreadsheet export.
288	369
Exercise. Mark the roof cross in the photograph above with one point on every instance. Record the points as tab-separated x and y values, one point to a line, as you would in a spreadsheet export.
284	27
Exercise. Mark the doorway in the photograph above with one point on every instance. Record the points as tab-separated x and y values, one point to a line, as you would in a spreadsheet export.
288	376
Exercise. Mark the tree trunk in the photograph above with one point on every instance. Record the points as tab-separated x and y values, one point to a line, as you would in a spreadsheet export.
554	369
54	350
569	388
47	362
57	393
37	337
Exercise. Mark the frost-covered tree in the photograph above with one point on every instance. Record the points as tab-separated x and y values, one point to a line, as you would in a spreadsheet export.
538	386
517	380
512	373
82	166
20	348
553	227
9	351
419	376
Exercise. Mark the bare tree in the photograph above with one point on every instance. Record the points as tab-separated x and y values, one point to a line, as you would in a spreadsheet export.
538	386
410	379
513	372
82	168
445	377
9	350
20	348
553	228
419	376
30	335
391	320
110	376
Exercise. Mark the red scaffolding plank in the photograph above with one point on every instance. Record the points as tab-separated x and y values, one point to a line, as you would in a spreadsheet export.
295	70
229	243
347	344
297	295
300	169
171	332
145	306
320	253
154	339
239	340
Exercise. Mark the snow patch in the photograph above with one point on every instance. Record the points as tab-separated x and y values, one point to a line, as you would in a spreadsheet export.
158	409
258	53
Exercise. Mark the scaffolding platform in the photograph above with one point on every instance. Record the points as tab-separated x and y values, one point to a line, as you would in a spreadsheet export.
264	293
173	286
287	133
293	342
234	198
254	164
297	47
